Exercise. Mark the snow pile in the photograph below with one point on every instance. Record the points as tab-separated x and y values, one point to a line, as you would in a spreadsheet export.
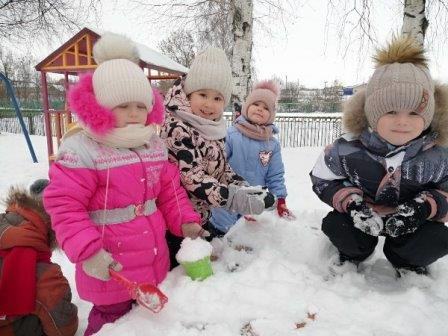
271	277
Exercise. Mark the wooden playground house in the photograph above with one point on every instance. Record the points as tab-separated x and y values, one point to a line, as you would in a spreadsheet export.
75	57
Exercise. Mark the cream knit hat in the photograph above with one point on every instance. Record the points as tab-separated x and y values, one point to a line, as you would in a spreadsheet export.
210	70
400	81
118	79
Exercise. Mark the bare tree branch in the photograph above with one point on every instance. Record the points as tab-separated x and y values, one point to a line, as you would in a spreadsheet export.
31	19
180	46
354	25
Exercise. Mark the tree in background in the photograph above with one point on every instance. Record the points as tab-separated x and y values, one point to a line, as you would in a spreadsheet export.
415	22
35	21
298	98
355	20
332	97
216	28
242	12
22	74
227	24
25	79
43	18
6	62
180	46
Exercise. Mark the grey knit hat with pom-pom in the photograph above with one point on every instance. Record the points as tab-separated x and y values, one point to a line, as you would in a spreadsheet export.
401	81
118	79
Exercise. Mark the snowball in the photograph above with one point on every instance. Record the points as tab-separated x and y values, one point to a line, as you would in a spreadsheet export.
193	250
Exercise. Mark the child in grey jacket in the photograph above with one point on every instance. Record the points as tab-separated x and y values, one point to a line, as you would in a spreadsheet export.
389	175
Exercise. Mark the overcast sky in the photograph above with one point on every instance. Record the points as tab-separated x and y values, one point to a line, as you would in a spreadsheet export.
305	46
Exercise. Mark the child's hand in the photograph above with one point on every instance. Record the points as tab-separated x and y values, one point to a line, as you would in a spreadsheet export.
364	218
194	230
97	266
408	217
283	211
269	201
246	200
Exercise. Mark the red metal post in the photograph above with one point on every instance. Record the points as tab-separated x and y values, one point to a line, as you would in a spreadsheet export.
47	117
59	120
69	114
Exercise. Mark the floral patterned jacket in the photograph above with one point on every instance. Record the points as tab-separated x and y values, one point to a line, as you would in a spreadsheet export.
204	170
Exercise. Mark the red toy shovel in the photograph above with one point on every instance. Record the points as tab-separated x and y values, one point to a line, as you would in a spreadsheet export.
146	294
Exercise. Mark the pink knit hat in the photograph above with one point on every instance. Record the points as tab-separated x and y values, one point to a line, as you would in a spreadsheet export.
117	80
266	92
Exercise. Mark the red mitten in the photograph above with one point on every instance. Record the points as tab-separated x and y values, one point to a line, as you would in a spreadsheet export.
283	211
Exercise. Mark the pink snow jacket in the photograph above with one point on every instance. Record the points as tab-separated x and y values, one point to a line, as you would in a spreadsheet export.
142	194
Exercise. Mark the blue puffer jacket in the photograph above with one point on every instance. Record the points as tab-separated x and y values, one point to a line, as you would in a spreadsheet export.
259	162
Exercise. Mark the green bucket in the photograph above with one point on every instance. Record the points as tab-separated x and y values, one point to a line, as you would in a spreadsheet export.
198	270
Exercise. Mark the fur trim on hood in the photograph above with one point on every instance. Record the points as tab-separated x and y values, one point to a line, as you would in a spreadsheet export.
99	119
354	119
19	197
81	99
157	114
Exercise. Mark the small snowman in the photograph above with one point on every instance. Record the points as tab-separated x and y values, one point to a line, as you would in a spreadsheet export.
194	256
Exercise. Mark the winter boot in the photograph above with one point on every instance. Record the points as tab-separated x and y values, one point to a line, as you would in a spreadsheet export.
403	270
340	264
345	258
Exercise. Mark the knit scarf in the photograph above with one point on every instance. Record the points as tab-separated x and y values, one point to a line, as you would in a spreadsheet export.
131	136
209	129
253	131
18	280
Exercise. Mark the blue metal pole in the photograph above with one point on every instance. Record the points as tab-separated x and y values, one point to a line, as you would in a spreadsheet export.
12	96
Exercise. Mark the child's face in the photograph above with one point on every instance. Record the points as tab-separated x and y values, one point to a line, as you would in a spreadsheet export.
258	113
400	127
206	103
130	113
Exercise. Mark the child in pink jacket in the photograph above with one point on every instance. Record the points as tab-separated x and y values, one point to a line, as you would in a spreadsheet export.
113	193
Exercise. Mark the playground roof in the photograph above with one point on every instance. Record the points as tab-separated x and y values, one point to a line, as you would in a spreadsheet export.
75	56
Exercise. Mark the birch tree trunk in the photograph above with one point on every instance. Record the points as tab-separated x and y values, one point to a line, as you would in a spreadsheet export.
414	20
242	23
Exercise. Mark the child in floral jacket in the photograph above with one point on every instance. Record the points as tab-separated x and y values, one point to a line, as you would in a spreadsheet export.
194	132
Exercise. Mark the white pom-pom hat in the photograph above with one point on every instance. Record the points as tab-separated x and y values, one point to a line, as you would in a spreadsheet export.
118	78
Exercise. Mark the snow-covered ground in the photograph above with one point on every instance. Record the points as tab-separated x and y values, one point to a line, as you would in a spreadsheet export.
280	276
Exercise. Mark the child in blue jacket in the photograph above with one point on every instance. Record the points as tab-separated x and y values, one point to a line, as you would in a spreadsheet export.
254	153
